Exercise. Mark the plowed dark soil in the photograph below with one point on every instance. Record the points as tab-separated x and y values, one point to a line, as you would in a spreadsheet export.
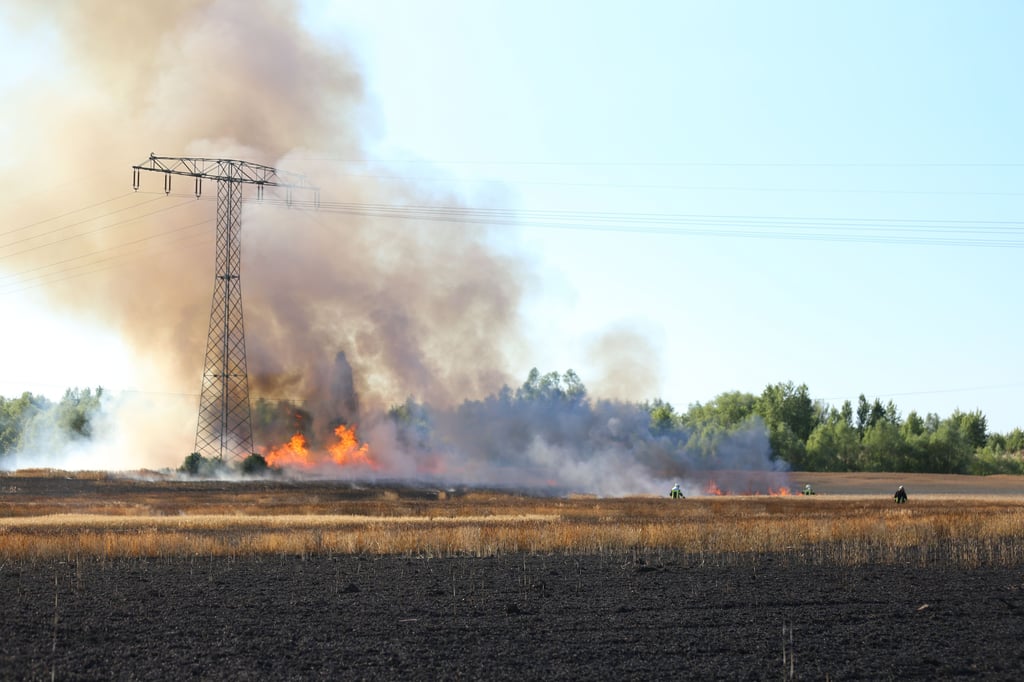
510	617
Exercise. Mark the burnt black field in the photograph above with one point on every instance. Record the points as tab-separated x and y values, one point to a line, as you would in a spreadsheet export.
510	617
614	616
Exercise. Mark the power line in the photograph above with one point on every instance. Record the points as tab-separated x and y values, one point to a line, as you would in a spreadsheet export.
688	188
866	230
118	391
64	227
626	219
72	212
40	280
977	233
682	164
127	221
55	277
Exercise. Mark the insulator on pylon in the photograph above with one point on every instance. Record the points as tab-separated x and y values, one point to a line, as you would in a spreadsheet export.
259	191
316	199
167	183
199	186
135	179
288	197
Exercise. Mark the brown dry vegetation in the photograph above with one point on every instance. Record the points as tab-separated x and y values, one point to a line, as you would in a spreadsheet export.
54	517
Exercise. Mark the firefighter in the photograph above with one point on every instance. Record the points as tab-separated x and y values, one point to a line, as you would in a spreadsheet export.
901	495
808	490
676	493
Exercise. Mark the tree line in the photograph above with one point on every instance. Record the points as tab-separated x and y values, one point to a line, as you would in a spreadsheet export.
734	429
811	435
34	423
804	433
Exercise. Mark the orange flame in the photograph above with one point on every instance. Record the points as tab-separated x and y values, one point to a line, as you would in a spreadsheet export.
346	451
712	489
292	453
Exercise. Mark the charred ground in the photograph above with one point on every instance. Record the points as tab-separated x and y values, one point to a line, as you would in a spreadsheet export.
523	616
615	615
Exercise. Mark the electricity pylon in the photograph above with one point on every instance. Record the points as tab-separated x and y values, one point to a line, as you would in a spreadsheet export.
225	416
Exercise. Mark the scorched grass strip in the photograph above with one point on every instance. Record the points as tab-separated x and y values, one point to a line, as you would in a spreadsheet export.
962	531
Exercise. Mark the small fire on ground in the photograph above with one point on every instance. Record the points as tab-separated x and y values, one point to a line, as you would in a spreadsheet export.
712	489
346	451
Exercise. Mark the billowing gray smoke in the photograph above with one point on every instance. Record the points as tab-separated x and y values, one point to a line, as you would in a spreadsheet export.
549	436
423	309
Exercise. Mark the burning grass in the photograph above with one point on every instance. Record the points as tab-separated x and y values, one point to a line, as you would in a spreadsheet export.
164	519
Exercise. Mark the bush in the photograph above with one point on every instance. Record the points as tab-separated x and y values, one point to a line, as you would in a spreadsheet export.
197	465
254	465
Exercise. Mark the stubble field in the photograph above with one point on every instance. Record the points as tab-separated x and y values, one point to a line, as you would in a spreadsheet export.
109	577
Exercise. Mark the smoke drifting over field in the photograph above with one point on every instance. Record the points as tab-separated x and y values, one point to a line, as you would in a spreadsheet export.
604	447
421	309
428	310
545	435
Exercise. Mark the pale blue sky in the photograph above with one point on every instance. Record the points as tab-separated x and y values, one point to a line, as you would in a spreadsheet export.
872	111
718	117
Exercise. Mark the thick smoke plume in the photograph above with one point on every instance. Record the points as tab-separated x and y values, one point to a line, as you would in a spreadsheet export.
336	305
547	436
561	441
421	309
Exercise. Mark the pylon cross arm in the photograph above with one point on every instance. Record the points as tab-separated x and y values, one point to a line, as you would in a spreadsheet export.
228	170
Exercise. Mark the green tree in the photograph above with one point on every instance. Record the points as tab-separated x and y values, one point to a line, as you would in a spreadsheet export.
997	442
71	419
833	445
76	411
876	414
15	414
733	408
787	446
994	459
973	426
790	416
892	413
948	451
863	414
846	412
552	387
913	426
784	403
883	448
572	387
663	416
708	440
1015	441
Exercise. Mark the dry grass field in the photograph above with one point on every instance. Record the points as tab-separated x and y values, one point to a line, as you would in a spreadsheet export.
957	520
144	577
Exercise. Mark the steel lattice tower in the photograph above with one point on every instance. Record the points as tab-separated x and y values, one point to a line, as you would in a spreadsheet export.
225	418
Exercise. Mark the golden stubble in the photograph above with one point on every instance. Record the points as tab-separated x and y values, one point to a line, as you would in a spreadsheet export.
842	530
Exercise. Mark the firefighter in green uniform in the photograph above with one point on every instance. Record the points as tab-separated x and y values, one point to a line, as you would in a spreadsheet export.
676	493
